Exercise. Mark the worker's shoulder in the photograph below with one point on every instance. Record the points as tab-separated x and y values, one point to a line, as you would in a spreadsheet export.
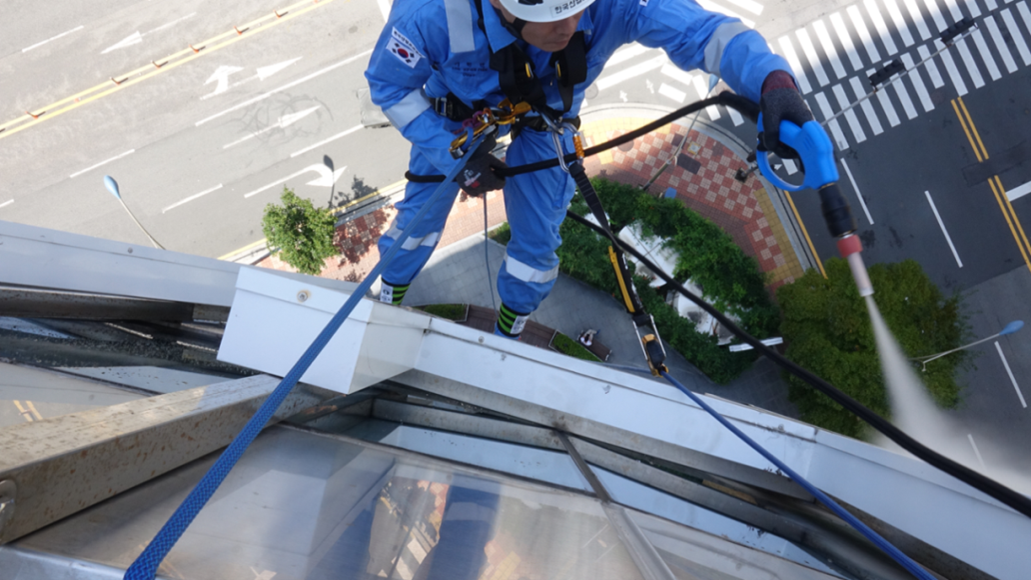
423	10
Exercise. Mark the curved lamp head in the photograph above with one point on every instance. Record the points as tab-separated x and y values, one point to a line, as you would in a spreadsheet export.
1012	327
112	186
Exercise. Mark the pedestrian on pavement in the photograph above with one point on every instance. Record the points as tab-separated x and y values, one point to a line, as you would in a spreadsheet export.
437	61
587	337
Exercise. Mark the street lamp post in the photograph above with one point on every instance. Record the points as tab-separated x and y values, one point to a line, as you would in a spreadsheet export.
1009	329
713	81
112	186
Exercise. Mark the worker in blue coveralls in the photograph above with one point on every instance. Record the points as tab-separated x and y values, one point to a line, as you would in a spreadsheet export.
439	60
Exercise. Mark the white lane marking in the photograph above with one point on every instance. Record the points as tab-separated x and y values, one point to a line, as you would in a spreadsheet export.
289	85
711	7
899	21
867	106
864	33
790	166
991	5
324	141
850	114
957	14
170	24
828	48
634	71
846	41
936	14
954	76
326	178
736	117
52	38
986	55
192	197
1013	380
702	88
918	18
796	66
859	194
810	53
1018	38
283	122
880	26
907	103
968	59
92	167
976	452
972	7
1000	44
6	203
835	127
886	106
137	37
626	53
384	8
918	83
1019	192
932	69
674	72
941	224
675	94
1025	15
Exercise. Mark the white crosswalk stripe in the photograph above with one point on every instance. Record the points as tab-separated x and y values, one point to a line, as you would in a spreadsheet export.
870	34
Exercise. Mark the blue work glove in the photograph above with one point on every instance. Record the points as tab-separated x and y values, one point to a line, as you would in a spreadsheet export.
478	177
780	101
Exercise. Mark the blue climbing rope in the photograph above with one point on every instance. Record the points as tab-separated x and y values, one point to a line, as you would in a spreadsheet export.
146	565
896	554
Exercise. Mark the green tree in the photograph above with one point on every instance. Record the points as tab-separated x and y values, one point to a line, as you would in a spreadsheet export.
827	328
301	234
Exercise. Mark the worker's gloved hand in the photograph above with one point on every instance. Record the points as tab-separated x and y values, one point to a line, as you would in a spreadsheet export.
780	101
478	177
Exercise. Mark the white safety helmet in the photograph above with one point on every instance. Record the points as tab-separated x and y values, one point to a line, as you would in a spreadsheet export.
544	10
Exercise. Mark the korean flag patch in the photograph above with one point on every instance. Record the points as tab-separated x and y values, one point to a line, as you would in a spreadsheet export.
403	49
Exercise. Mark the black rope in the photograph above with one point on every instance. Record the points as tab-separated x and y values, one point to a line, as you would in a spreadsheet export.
990	487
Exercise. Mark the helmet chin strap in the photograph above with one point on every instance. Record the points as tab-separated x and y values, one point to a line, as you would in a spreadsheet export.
515	27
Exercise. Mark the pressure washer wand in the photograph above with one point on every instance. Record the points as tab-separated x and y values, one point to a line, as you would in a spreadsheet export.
817	155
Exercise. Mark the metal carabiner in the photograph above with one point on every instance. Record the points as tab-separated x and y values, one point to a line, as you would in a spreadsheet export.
558	129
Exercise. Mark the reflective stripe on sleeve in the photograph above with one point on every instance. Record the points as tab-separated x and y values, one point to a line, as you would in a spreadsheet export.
411	243
718	43
407	109
526	273
460	25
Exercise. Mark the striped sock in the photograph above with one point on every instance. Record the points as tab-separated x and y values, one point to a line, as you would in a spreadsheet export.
392	293
510	322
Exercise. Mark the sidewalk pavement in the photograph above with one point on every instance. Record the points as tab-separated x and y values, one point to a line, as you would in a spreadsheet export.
703	177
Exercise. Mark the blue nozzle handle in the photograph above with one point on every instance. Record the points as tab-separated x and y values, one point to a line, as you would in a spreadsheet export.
815	149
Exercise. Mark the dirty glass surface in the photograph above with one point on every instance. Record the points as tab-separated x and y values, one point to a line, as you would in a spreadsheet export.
29	394
302	505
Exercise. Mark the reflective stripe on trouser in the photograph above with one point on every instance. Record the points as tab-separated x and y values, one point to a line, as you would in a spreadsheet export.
417	249
536	205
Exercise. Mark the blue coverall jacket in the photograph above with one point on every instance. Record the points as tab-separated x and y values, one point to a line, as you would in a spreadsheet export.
430	48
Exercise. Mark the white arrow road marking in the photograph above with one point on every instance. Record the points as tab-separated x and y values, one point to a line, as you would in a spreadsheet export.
136	37
192	197
263	73
326	178
222	76
284	121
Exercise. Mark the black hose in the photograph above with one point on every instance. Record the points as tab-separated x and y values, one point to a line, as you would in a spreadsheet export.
988	486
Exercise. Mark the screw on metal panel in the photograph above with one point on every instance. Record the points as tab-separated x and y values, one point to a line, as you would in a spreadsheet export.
303	296
130	250
7	493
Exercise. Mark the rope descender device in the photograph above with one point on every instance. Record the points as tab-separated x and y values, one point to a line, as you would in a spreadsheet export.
486	121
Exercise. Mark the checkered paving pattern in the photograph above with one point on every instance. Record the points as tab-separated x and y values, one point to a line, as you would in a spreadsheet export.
703	178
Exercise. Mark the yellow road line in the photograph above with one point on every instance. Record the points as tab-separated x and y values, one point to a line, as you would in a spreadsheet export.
23	411
1009	222
33	409
1006	197
806	234
970	138
148	71
972	127
337	211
